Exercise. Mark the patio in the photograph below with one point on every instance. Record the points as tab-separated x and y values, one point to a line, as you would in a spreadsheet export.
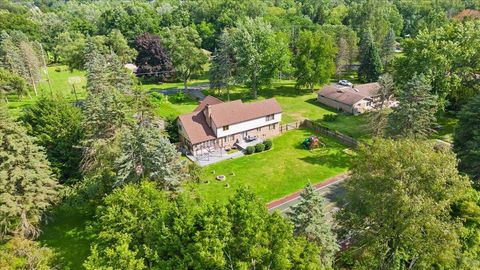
213	156
244	144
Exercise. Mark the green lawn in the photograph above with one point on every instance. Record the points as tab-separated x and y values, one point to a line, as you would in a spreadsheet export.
67	236
278	172
59	80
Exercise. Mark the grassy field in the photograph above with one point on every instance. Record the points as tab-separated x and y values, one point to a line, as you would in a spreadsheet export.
278	172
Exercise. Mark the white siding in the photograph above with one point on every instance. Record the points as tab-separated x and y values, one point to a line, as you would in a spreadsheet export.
247	125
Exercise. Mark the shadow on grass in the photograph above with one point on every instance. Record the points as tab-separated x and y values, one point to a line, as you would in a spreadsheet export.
337	159
67	235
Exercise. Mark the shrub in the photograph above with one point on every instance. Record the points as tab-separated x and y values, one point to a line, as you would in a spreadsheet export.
250	150
268	144
58	69
259	147
330	117
158	96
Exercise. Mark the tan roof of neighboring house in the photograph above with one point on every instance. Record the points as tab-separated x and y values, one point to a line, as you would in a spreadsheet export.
208	100
196	127
468	13
223	113
350	95
236	111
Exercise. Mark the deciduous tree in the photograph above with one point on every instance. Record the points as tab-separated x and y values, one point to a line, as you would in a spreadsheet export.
153	60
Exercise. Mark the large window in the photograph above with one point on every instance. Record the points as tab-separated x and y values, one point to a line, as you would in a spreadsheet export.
225	128
269	117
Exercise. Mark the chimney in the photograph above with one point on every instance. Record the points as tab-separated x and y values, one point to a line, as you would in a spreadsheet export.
208	115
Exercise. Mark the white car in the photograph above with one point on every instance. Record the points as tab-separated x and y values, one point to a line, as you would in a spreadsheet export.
345	83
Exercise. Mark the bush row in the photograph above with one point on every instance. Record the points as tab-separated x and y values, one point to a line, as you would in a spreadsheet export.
260	147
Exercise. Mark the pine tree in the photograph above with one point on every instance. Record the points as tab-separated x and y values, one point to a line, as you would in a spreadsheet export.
146	154
309	220
388	48
223	65
378	119
415	115
370	63
27	187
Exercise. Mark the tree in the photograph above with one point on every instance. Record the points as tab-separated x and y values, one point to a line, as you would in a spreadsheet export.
309	220
152	60
398	214
314	59
222	70
31	60
57	126
183	45
147	155
378	119
19	253
259	53
446	54
388	48
12	83
467	140
415	115
370	63
70	48
181	233
27	187
119	45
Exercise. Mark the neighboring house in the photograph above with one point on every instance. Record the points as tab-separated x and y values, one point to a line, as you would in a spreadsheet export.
215	124
356	99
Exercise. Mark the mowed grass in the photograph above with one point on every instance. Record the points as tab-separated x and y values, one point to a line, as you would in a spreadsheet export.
67	235
280	171
59	81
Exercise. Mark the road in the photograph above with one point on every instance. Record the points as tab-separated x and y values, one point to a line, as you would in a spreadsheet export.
331	190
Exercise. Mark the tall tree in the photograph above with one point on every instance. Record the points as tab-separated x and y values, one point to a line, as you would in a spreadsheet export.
415	114
153	60
467	139
32	63
222	70
147	155
27	186
259	53
378	119
388	48
57	126
314	60
70	48
309	220
398	214
119	45
370	63
12	83
183	45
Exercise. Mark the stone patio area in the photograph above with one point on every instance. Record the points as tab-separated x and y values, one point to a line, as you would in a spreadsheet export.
243	145
214	156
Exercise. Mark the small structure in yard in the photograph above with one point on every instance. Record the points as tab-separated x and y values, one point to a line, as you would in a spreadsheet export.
221	177
312	142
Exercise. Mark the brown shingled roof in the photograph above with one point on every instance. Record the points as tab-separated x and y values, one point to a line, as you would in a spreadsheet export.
196	127
208	100
236	111
348	95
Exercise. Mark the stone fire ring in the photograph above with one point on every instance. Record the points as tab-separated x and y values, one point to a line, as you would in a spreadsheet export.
221	177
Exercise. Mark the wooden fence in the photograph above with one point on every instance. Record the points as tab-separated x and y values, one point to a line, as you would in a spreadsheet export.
347	140
290	126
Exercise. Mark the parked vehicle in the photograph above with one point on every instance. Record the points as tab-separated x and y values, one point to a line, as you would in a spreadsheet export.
345	83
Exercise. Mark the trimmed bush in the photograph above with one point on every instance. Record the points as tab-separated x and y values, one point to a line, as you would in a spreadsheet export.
330	117
250	150
268	144
259	147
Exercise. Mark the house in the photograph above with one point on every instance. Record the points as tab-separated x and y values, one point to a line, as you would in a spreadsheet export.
354	99
215	124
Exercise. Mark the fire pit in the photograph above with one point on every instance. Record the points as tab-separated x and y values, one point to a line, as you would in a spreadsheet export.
221	177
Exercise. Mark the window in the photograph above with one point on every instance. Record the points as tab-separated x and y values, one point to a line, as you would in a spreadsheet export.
225	128
269	117
369	103
259	129
272	126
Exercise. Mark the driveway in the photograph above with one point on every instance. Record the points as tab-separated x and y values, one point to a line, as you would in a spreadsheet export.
194	91
331	190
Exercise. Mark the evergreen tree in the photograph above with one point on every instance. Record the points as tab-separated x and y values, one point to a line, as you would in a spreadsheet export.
12	83
222	70
309	220
153	60
146	154
467	139
57	126
388	48
378	119
27	187
370	63
415	114
119	45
